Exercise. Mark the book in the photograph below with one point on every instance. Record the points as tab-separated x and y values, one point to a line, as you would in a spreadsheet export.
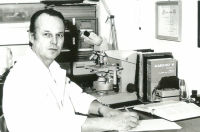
142	82
139	52
139	73
156	69
171	110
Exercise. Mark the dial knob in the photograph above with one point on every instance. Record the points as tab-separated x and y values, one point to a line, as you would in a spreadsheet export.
131	88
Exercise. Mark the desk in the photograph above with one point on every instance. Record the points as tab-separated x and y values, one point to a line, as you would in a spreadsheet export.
188	125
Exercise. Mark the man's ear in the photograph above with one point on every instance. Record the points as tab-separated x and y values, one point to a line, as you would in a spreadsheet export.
31	37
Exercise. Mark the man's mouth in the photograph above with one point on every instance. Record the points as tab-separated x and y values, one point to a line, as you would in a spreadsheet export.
54	49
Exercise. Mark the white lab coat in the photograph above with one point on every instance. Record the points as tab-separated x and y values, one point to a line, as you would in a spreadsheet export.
37	99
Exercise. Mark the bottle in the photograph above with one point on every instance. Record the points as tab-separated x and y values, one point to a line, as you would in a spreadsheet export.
183	90
194	95
197	101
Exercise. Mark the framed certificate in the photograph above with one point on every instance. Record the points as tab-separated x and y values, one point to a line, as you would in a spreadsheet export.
169	20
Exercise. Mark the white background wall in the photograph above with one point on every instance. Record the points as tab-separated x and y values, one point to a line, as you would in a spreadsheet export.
132	14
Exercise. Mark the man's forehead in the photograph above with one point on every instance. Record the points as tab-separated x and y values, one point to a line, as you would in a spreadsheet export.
45	20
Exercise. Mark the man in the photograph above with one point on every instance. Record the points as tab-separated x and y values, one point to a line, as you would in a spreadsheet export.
39	98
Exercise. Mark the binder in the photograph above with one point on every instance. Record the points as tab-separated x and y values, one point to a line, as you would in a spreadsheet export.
137	72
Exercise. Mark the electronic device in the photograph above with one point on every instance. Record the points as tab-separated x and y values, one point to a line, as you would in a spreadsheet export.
168	89
75	53
168	94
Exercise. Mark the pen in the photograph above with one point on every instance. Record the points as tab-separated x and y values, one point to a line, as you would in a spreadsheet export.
77	113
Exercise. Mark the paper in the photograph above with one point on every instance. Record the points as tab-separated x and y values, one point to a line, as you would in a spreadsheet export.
155	124
171	110
168	20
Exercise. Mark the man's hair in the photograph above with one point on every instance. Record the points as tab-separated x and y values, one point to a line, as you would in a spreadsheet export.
51	12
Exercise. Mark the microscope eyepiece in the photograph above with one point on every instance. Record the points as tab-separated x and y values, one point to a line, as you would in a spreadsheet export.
86	33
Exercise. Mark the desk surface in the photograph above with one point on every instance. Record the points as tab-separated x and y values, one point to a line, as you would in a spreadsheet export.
188	125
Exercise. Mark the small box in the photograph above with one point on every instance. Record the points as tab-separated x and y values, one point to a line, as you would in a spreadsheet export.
168	94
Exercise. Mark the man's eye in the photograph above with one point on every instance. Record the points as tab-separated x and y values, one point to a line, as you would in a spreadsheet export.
60	35
47	34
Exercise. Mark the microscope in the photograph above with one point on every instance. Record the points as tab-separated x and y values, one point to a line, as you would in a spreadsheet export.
115	70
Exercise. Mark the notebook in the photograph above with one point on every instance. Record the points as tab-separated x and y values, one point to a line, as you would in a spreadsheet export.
171	110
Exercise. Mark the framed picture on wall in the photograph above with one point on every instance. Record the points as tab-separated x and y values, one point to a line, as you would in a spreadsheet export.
15	21
168	20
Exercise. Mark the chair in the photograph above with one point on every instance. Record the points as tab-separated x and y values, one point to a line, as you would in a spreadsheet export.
3	126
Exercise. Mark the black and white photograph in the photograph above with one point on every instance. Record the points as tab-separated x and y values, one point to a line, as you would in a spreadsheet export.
99	65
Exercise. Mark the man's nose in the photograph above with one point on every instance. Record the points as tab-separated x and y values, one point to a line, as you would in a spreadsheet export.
54	40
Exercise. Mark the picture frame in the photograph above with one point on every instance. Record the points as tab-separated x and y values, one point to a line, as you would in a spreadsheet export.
168	20
15	21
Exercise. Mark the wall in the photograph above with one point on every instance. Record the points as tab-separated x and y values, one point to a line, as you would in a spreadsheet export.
132	14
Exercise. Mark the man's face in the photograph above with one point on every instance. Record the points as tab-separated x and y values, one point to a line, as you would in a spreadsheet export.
49	37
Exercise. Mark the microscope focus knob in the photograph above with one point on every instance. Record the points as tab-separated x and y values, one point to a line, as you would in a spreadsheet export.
131	88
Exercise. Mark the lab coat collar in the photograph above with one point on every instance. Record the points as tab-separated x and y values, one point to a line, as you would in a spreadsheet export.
54	66
38	64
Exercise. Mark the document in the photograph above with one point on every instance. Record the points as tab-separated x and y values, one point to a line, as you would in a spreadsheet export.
155	124
171	110
168	20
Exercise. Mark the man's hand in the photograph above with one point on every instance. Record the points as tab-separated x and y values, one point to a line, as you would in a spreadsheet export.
112	120
124	121
120	120
109	112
